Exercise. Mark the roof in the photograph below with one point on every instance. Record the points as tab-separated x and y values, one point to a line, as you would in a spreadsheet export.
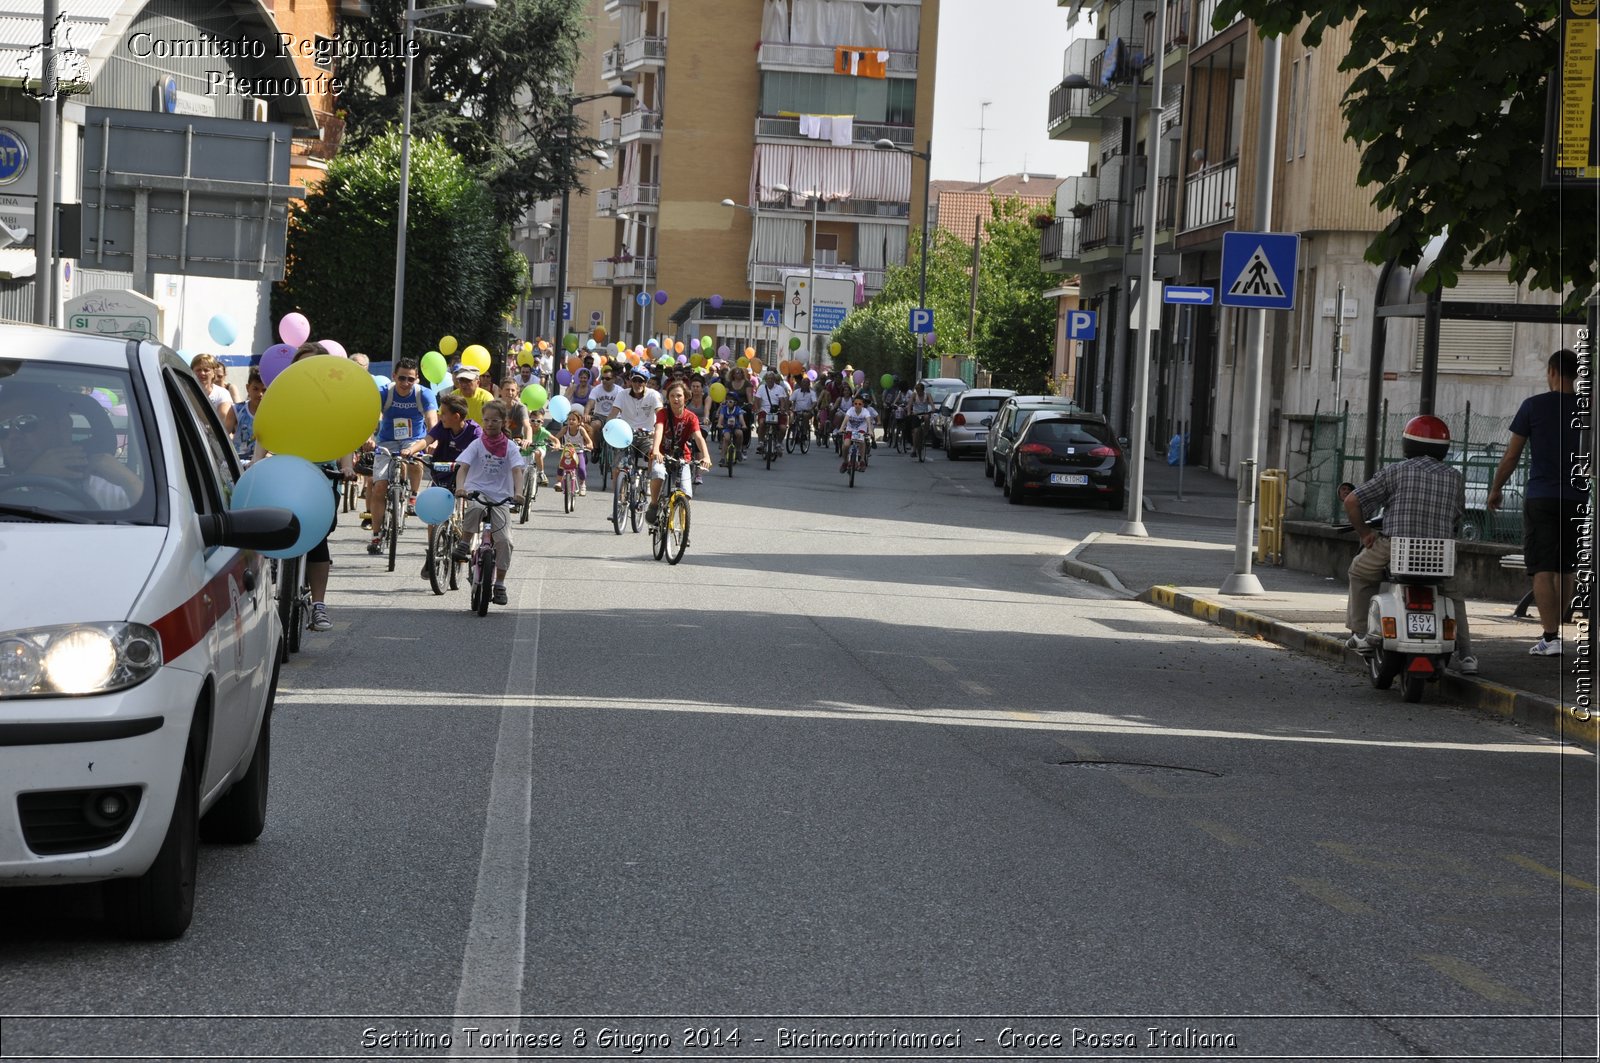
958	211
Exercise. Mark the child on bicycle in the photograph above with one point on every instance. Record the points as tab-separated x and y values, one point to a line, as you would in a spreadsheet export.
730	420
857	424
677	433
574	434
492	468
543	439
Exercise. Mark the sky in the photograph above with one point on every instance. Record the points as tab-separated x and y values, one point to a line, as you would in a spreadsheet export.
1009	52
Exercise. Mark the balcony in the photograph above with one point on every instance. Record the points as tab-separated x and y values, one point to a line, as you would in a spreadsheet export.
642	52
818	58
1071	117
875	209
865	133
607	130
638	197
605	202
635	272
639	125
1205	11
1211	195
1166	206
1101	227
611	64
1060	246
772	274
602	271
546	211
1177	38
614	7
542	274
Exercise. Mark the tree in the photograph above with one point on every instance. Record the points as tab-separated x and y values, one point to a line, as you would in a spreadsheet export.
496	93
462	274
1448	106
875	338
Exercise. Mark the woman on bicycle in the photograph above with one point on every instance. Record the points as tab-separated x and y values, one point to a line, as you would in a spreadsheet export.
677	433
740	389
574	434
493	468
919	407
579	391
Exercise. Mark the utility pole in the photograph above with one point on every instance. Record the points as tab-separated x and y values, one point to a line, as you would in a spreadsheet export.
44	218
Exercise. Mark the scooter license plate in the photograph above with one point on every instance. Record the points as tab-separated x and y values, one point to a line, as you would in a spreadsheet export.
1421	625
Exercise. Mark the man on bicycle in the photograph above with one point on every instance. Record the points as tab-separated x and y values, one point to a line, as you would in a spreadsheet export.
772	397
637	409
601	402
804	402
919	407
408	413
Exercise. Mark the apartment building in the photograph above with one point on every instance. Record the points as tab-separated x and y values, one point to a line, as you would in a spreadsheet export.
1208	125
776	107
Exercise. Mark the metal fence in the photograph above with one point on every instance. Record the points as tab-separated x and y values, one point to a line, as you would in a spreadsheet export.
1327	449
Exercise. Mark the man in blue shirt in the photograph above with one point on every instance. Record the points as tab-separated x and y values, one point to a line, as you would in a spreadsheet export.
1555	505
406	413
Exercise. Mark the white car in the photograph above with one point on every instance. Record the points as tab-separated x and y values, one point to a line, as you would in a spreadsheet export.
139	641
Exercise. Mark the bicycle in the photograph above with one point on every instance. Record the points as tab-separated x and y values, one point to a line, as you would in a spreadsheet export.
799	433
669	536
822	426
394	507
855	456
769	437
569	478
629	497
294	602
530	486
442	566
730	448
481	559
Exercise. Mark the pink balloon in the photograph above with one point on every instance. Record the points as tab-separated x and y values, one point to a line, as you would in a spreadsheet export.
694	345
811	374
294	329
724	351
334	347
860	376
274	360
683	359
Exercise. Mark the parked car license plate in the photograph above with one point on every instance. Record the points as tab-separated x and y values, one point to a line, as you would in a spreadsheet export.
1075	479
1420	625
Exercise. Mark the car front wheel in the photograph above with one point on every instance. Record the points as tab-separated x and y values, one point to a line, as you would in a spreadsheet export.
159	904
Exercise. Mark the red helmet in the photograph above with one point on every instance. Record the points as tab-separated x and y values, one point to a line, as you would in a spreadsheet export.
1426	435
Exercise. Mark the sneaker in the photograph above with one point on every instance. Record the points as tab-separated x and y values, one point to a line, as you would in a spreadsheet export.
1359	643
583	489
561	487
498	597
319	617
461	552
427	569
1467	665
650	514
544	481
411	506
1546	648
376	545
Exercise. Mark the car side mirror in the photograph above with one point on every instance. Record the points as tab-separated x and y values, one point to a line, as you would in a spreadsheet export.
266	528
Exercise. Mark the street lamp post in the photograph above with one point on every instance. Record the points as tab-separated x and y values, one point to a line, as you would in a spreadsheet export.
621	92
755	224
811	283
412	17
926	155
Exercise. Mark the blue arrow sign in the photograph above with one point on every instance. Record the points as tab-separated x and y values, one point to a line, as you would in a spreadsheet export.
1081	324
921	320
1190	296
1258	270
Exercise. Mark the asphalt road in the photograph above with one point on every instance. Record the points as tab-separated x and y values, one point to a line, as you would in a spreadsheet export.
862	775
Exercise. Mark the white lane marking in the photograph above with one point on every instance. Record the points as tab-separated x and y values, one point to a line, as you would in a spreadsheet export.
939	663
975	689
493	963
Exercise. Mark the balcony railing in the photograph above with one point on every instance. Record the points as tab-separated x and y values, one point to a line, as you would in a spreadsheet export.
1211	195
1205	11
1130	62
1177	29
1101	226
1062	242
852	208
611	63
605	202
635	124
602	271
1067	104
820	57
638	196
636	271
642	50
1166	205
772	274
542	274
861	132
607	130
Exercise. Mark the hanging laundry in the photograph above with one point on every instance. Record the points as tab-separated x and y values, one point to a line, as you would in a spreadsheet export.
811	126
843	131
861	62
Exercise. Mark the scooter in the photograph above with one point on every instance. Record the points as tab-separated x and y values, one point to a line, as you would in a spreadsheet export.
1411	627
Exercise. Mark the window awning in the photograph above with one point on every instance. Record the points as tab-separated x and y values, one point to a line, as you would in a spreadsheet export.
833	173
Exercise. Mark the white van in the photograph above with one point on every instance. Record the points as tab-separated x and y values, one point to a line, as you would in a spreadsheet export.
139	641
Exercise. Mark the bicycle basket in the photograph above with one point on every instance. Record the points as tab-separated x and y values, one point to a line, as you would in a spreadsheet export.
1422	557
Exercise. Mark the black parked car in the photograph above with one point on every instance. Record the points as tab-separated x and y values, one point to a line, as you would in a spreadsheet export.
1008	424
1067	456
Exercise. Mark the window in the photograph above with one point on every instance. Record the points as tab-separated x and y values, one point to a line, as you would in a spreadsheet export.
890	100
1305	102
1293	113
213	470
827	249
1472	346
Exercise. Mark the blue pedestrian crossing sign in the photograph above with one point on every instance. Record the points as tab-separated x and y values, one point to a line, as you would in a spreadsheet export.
1258	270
1081	324
921	320
772	318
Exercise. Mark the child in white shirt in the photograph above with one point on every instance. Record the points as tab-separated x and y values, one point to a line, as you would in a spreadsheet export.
493	467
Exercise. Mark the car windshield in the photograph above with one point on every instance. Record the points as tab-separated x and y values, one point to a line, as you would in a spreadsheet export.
72	446
982	403
1067	433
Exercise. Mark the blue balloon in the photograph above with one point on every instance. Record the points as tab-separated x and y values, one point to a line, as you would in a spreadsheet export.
559	408
222	329
287	482
592	345
381	380
435	505
652	342
618	433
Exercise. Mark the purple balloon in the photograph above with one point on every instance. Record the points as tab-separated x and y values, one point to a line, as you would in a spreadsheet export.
563	377
683	359
661	298
694	345
860	377
811	374
274	360
716	302
724	351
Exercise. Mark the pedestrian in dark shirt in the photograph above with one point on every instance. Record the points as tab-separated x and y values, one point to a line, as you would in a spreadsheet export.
1556	501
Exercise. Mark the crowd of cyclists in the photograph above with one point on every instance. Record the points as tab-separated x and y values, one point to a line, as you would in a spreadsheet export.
479	441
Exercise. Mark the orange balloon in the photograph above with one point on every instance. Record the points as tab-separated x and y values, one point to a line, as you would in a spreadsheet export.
633	357
574	362
749	352
605	360
677	348
599	334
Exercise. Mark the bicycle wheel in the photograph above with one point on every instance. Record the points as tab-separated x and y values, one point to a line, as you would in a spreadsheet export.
569	492
658	538
391	525
677	527
482	566
288	584
789	442
439	561
769	449
805	439
730	454
530	488
619	502
636	500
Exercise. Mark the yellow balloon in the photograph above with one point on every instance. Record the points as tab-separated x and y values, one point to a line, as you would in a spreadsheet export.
447	346
743	363
527	346
718	392
622	348
525	358
319	409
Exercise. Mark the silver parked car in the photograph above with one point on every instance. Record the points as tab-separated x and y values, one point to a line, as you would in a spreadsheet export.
964	420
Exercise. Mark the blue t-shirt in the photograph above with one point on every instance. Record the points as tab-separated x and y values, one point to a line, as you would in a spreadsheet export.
1547	422
401	419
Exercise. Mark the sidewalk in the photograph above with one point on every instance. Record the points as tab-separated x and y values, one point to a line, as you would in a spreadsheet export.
1190	553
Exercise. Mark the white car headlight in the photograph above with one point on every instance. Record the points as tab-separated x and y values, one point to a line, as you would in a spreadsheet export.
76	659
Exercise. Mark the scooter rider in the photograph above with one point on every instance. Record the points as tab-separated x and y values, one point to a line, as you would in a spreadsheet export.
1420	498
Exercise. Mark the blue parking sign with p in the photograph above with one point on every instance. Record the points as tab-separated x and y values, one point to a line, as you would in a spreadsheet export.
1081	324
921	319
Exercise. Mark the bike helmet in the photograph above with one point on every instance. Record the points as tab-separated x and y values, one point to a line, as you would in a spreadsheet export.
1425	436
638	372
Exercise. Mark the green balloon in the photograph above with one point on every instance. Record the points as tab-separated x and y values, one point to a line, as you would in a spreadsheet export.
887	380
534	397
794	343
706	344
434	367
571	342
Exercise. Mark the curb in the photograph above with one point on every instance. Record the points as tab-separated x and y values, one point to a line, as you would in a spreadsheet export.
1072	565
1548	715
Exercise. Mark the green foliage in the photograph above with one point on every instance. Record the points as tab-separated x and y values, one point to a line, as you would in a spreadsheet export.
461	273
1448	106
1014	328
496	94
